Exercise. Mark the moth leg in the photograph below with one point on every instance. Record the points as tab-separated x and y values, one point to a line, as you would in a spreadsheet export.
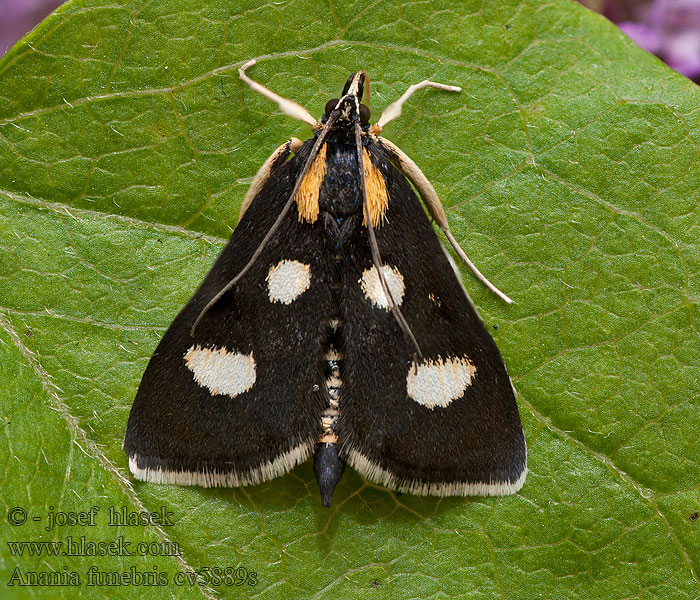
392	111
288	107
434	206
276	159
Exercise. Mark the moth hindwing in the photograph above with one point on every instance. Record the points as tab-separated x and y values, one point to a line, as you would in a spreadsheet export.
332	324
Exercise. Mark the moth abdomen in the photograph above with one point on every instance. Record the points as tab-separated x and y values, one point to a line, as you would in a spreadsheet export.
328	467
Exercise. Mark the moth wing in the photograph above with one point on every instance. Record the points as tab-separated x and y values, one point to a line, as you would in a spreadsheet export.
239	401
444	425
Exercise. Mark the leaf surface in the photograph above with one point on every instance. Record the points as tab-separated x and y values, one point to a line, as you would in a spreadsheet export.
569	170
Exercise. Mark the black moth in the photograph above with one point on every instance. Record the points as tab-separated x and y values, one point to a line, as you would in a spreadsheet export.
333	323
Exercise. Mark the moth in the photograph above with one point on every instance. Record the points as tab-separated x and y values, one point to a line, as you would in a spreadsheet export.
333	324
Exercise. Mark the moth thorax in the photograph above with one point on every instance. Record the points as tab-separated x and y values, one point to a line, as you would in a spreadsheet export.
307	197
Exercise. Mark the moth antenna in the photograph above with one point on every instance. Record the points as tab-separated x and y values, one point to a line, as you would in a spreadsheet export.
420	181
288	107
478	274
366	94
273	229
432	203
392	111
374	248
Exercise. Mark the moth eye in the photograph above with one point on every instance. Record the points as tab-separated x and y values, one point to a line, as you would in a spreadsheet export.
364	114
330	105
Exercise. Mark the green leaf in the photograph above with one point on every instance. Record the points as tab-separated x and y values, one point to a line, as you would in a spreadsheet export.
569	170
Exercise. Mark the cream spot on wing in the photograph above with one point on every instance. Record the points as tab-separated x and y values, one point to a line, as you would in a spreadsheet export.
287	280
374	290
438	382
221	371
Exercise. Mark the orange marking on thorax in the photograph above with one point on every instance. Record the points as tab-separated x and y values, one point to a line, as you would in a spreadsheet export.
307	196
375	188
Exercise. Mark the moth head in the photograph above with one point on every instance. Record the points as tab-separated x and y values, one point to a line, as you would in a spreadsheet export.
349	107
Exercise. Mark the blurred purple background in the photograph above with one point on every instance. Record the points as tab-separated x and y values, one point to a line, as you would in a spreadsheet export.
668	28
17	17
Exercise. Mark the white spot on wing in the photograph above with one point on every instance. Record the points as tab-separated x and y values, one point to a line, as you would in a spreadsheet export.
221	371
374	290
438	383
287	280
